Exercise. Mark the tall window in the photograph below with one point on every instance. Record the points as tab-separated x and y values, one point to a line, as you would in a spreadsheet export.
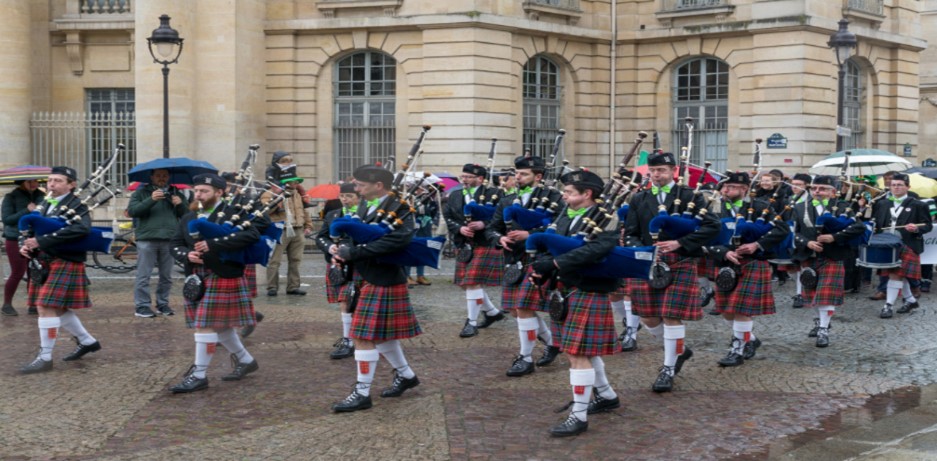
701	91
542	93
111	113
364	92
853	95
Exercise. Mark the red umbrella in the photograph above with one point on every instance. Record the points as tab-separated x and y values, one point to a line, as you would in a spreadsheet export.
324	192
24	173
136	185
693	172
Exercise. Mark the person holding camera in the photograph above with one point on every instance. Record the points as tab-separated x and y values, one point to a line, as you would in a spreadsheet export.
157	208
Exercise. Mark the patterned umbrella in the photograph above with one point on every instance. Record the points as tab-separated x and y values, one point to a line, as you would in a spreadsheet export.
24	173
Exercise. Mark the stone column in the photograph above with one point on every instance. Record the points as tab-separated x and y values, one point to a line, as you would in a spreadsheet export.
15	87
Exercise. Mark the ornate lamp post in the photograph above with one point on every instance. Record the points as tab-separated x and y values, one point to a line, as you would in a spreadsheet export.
168	47
843	43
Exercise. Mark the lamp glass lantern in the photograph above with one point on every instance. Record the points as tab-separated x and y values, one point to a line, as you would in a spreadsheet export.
167	41
843	43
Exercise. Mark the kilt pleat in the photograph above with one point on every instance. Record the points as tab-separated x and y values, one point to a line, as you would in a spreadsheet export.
224	305
589	328
624	288
752	296
250	275
910	265
678	301
706	267
485	268
66	287
383	314
524	295
831	282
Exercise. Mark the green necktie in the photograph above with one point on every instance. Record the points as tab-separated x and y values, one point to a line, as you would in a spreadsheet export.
510	191
736	204
896	199
571	214
825	202
373	203
352	210
53	201
656	190
207	212
471	191
525	190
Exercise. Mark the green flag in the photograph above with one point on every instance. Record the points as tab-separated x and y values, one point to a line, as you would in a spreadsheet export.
642	158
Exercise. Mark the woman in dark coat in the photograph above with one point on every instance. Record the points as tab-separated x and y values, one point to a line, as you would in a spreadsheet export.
17	204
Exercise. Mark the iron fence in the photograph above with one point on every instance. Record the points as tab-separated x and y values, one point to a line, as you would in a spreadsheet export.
82	140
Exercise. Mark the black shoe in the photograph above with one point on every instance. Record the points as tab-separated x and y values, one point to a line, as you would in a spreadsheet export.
165	310
706	297
144	312
8	309
190	383
748	352
600	404
353	402
813	331
259	317
81	350
37	366
271	292
681	359
296	292
343	348
886	313
549	355
823	337
627	340
240	369
733	358
907	307
399	385
521	367
664	381
32	311
572	426
468	330
797	301
490	319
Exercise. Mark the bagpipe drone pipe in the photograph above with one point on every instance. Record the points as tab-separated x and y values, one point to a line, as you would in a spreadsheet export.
421	251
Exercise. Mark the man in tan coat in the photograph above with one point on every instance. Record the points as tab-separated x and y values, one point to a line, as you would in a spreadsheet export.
296	224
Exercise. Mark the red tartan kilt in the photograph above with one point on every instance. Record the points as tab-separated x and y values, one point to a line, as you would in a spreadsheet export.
66	287
831	282
752	296
250	274
524	295
910	265
383	314
485	268
678	301
589	329
624	288
706	267
32	293
224	305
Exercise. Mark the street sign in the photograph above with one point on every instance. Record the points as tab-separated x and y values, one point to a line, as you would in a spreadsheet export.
776	141
907	149
843	131
929	163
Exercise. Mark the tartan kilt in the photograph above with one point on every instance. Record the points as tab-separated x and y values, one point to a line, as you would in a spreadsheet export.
752	296
383	314
250	274
524	295
706	267
66	287
224	305
831	282
32	293
624	288
485	268
678	301
910	267
589	329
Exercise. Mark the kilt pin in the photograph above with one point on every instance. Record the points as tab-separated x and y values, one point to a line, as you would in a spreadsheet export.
384	314
678	301
224	305
484	269
831	278
66	287
752	296
589	328
910	267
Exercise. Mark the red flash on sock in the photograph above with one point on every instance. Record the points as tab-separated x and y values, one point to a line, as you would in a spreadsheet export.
364	367
531	335
53	332
210	348
747	336
479	301
579	390
829	313
679	346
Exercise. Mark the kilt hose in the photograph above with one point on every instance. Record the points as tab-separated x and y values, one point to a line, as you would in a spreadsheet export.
485	268
66	287
678	301
589	328
752	296
250	274
831	282
910	267
224	305
383	314
524	295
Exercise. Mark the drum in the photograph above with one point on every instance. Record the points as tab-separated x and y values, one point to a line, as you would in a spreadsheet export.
882	252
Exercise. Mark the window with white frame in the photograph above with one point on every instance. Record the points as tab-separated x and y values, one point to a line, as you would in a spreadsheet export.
542	94
701	91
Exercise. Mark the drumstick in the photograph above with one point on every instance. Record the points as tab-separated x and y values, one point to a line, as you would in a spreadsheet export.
902	227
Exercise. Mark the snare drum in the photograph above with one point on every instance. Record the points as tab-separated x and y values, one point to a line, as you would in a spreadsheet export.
882	252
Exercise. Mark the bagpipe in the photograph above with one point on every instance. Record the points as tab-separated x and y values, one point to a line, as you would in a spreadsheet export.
484	208
99	192
244	210
390	215
539	210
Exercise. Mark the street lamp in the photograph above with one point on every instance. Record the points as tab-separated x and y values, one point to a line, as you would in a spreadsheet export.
168	45
843	43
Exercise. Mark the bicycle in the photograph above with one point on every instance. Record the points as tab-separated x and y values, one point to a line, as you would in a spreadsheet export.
122	257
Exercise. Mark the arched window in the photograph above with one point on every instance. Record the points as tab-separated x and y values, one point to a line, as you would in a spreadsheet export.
364	95
701	91
542	92
853	95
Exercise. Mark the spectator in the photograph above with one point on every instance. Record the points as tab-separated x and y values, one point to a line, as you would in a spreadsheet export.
17	204
292	215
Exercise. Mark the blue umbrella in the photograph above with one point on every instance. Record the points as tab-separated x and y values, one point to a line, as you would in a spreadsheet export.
181	169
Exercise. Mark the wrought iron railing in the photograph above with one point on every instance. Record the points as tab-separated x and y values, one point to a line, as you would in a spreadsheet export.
562	4
681	5
84	139
876	7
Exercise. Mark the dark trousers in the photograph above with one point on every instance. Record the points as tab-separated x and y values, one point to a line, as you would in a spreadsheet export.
17	270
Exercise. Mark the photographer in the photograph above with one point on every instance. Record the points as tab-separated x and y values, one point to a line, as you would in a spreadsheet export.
156	208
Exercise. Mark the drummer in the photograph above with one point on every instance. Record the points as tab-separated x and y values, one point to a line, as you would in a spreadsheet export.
909	218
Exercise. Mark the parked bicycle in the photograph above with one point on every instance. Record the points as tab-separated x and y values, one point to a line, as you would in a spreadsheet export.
123	255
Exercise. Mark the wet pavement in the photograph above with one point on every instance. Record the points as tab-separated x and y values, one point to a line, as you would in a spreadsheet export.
870	395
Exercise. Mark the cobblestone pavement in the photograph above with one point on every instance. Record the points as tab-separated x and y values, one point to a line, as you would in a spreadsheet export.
792	401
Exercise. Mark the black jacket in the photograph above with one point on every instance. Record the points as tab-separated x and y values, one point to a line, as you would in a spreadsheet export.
69	233
455	217
183	243
323	239
14	208
644	208
784	193
497	228
363	255
752	210
913	211
571	263
805	220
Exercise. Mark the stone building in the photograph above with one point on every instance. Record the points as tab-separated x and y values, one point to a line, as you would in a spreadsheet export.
342	82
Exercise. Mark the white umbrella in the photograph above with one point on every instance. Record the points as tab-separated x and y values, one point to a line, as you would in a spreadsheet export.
414	177
862	162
